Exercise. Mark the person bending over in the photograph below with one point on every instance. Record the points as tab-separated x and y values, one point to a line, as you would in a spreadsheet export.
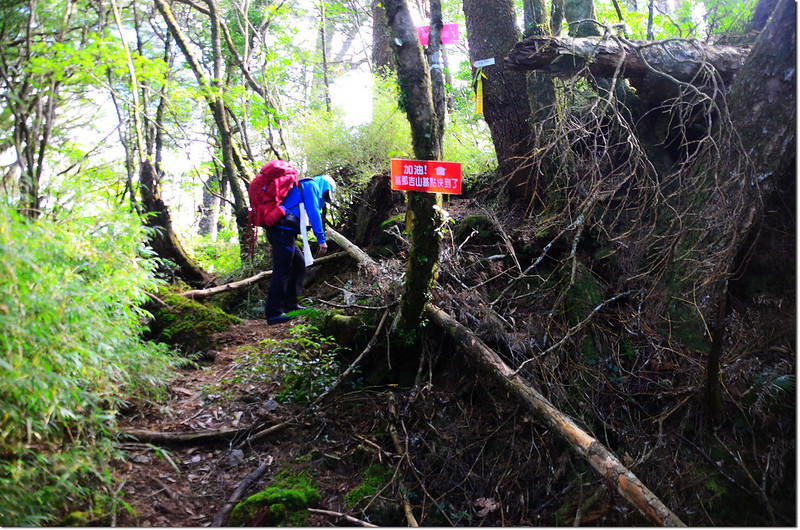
288	263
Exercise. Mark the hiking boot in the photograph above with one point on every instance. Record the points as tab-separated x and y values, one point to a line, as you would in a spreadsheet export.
295	307
280	319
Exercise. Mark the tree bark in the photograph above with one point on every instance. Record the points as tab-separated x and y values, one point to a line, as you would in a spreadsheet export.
581	17
382	58
434	53
492	32
359	255
165	242
754	191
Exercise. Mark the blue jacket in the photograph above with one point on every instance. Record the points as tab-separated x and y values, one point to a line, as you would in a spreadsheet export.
311	198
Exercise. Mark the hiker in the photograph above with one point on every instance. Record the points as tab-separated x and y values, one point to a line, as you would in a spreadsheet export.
326	186
288	262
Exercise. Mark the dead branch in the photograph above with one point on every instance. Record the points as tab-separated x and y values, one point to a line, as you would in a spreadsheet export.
197	294
248	481
348	518
184	438
598	456
412	521
265	432
359	255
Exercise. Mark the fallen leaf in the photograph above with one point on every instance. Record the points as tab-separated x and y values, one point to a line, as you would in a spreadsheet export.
486	506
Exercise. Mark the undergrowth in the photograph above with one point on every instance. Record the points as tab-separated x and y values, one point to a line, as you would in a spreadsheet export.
69	333
305	364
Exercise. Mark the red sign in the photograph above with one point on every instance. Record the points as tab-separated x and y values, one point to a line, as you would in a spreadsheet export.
430	176
449	34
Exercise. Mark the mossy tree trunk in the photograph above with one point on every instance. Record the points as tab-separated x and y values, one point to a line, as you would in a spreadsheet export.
165	242
424	215
382	59
579	15
760	176
492	32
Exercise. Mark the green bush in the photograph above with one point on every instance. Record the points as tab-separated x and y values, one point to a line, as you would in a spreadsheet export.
69	336
220	257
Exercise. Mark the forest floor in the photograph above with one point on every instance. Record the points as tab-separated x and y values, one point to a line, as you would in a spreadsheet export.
188	484
456	449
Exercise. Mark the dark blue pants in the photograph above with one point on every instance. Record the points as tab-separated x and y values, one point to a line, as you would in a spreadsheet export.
288	271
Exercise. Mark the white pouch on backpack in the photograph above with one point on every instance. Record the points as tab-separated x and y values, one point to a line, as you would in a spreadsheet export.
304	234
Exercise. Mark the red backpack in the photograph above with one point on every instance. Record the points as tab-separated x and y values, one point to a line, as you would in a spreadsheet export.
266	193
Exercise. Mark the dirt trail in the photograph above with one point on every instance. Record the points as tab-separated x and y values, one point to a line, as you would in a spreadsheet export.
187	485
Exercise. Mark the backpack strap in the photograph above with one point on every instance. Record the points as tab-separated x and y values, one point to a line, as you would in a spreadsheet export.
299	187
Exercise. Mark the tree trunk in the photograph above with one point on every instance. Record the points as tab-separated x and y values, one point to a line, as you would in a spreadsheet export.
164	242
324	50
434	54
210	208
233	163
760	178
423	216
556	17
580	15
492	32
382	58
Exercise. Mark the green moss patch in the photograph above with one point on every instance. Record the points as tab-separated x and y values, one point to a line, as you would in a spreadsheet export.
375	478
485	232
584	296
283	503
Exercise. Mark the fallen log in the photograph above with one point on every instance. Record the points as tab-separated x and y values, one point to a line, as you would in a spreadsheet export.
598	456
361	257
197	294
646	64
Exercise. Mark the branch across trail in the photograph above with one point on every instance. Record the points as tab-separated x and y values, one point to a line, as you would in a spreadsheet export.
198	294
598	456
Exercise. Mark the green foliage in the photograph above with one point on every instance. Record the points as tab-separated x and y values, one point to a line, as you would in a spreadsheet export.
69	336
469	142
305	363
376	477
709	19
328	144
221	257
286	500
